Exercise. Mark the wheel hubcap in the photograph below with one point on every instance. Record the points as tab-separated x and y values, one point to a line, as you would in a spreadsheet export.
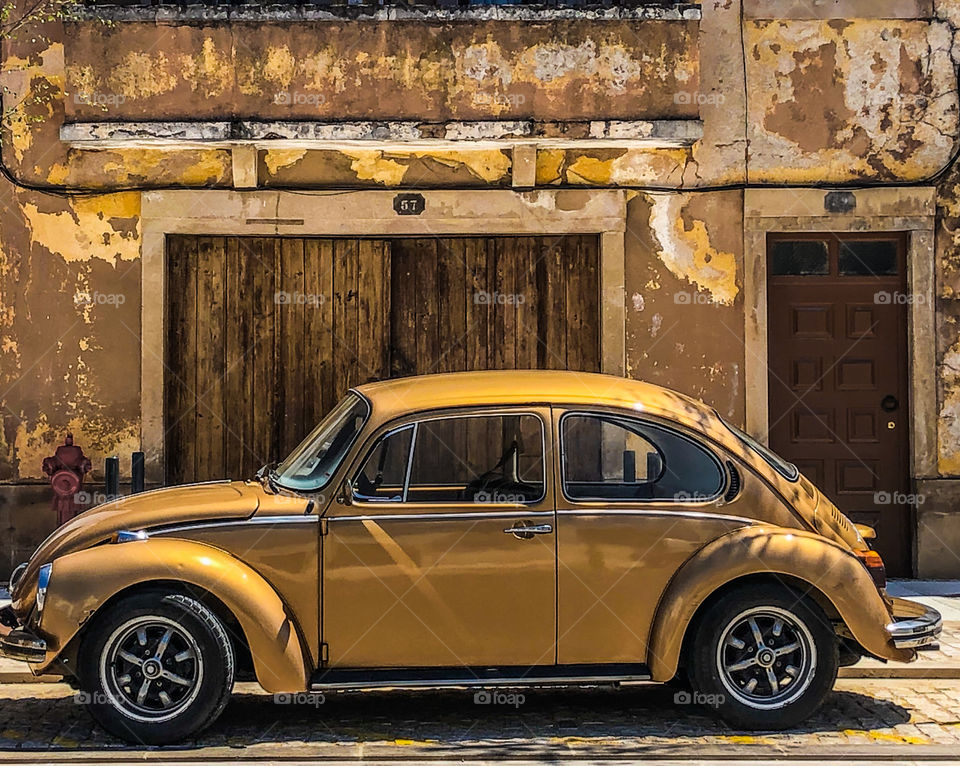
766	657
151	668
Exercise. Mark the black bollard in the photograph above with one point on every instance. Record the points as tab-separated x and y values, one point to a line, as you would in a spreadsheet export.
111	477
136	473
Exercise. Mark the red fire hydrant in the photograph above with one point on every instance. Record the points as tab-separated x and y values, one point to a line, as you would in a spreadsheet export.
66	469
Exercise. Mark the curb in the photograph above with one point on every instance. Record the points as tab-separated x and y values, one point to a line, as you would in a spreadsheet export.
901	671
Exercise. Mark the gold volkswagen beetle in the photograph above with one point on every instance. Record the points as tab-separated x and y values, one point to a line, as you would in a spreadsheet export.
483	529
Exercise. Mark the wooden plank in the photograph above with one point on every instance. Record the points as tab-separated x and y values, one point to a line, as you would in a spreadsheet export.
427	329
403	319
183	459
477	310
173	384
295	301
211	365
319	394
527	312
451	304
345	338
236	342
503	303
264	265
590	336
372	322
574	290
551	281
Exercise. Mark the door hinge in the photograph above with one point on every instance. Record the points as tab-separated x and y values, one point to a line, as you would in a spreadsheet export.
324	653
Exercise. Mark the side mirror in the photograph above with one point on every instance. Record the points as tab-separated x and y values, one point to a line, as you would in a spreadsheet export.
346	493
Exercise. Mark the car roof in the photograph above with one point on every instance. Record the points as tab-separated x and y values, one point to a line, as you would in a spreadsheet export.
400	396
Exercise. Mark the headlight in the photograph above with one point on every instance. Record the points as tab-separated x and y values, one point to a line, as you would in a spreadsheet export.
16	575
43	580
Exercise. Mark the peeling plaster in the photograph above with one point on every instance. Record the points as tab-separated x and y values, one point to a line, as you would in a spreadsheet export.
688	253
88	229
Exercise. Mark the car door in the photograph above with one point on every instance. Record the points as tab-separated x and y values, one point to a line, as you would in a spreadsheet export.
445	555
636	499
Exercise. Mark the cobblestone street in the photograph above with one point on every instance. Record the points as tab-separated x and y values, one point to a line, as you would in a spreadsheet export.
875	718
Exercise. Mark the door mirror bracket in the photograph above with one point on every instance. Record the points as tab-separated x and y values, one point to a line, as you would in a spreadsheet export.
346	493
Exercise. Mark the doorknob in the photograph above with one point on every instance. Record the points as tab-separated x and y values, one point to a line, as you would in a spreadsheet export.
522	531
889	403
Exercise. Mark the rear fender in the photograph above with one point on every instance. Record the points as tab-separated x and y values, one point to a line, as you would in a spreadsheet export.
762	550
83	581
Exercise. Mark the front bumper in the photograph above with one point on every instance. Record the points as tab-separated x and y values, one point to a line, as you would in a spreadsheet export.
916	630
22	645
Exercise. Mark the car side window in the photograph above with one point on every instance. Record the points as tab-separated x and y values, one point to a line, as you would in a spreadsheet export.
478	459
606	457
384	472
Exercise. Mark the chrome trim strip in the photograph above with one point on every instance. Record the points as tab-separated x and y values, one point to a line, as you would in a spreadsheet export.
255	521
651	512
429	516
525	681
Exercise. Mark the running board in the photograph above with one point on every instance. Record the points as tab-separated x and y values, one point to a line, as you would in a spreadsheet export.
520	675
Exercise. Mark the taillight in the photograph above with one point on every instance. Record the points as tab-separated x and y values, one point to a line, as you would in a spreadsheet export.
874	564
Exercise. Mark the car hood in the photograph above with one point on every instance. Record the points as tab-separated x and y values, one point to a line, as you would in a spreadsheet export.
160	507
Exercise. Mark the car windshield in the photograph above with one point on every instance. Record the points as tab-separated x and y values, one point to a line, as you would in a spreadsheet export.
311	465
786	469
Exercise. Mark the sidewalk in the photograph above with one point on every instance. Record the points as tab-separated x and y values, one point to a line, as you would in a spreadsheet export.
943	596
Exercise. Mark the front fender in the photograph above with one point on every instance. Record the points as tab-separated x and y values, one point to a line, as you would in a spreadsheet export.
83	581
806	556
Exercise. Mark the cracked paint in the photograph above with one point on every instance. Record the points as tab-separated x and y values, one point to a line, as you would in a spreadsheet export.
863	98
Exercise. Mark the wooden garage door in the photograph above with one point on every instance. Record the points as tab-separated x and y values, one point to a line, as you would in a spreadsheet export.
265	334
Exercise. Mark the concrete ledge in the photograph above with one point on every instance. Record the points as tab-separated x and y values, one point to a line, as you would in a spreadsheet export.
651	133
265	11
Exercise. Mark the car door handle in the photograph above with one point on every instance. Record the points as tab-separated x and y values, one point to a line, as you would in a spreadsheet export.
528	532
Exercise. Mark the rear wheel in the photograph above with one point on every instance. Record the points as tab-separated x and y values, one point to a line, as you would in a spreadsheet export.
764	657
156	668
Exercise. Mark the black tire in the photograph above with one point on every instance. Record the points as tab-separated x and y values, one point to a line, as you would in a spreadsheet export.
781	686
149	703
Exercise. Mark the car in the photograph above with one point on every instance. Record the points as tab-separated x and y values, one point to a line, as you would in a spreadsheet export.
478	529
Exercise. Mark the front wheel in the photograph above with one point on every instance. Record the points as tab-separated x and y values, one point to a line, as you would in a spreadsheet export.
156	668
764	657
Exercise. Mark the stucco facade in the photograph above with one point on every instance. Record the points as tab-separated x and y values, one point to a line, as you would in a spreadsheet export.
655	127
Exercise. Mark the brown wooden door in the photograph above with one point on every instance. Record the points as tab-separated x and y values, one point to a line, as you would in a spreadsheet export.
265	334
837	375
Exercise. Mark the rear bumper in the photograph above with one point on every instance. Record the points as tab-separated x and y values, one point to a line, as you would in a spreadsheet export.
916	631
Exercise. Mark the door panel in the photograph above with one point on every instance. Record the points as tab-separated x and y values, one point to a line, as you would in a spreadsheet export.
837	358
446	583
